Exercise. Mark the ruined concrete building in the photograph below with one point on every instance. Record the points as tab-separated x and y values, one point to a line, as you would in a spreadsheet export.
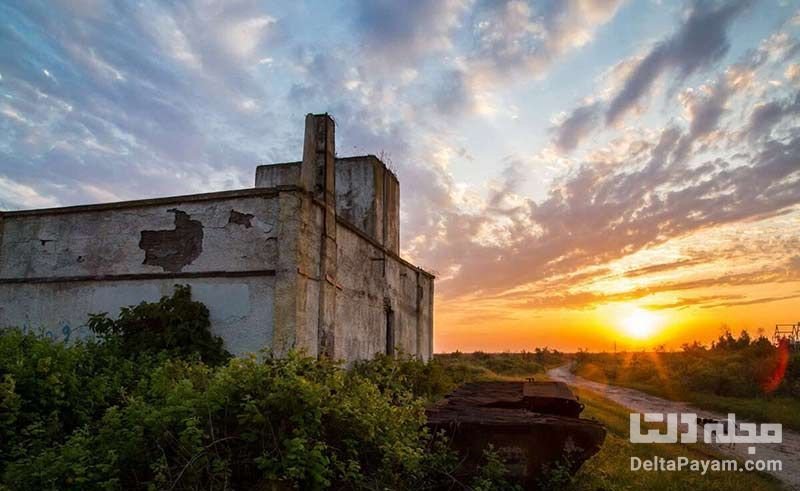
307	259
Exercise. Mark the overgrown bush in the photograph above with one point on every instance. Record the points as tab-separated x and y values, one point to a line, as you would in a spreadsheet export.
176	325
296	421
131	411
49	390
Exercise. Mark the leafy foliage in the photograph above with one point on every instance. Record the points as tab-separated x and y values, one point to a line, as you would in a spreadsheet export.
465	367
176	325
129	411
734	367
48	390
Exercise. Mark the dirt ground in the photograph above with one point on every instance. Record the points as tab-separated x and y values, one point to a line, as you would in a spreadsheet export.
788	452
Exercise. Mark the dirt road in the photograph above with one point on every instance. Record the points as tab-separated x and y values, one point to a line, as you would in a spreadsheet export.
787	452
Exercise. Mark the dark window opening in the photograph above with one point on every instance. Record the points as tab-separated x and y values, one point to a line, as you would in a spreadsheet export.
389	332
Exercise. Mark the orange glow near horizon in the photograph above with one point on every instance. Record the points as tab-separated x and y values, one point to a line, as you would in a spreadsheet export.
649	299
468	326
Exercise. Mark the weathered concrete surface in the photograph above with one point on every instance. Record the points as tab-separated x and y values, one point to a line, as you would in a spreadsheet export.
56	268
270	176
177	248
321	156
367	194
92	242
373	285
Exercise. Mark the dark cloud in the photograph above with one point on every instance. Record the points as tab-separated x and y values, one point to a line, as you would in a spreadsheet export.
453	94
698	43
766	116
705	111
683	303
403	31
578	124
661	267
754	301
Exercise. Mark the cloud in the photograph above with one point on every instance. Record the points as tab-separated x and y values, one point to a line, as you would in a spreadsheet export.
661	267
766	116
599	213
514	39
189	96
150	106
751	302
683	303
14	195
704	106
401	32
576	126
588	299
515	35
699	42
793	72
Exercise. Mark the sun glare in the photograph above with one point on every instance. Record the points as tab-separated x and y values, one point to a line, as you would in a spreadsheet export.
640	323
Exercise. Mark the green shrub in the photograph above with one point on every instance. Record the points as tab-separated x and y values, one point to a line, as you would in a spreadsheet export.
48	390
732	367
394	375
176	325
296	421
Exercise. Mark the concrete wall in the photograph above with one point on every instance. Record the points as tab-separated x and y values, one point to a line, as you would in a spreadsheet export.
269	176
367	194
371	283
58	266
241	308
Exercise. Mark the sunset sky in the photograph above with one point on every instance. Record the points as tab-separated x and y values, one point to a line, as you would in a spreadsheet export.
577	173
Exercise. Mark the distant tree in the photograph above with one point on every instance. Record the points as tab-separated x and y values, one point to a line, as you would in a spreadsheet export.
725	342
694	347
744	340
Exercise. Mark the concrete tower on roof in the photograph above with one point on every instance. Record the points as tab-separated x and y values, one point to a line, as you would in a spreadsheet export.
307	259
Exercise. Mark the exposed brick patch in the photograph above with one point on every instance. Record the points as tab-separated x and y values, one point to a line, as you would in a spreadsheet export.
173	249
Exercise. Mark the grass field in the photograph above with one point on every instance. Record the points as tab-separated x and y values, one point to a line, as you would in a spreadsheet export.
775	409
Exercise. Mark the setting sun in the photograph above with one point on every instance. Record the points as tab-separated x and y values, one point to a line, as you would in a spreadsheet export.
640	323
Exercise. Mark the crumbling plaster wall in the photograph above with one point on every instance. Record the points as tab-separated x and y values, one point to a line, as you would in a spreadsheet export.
58	266
370	282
